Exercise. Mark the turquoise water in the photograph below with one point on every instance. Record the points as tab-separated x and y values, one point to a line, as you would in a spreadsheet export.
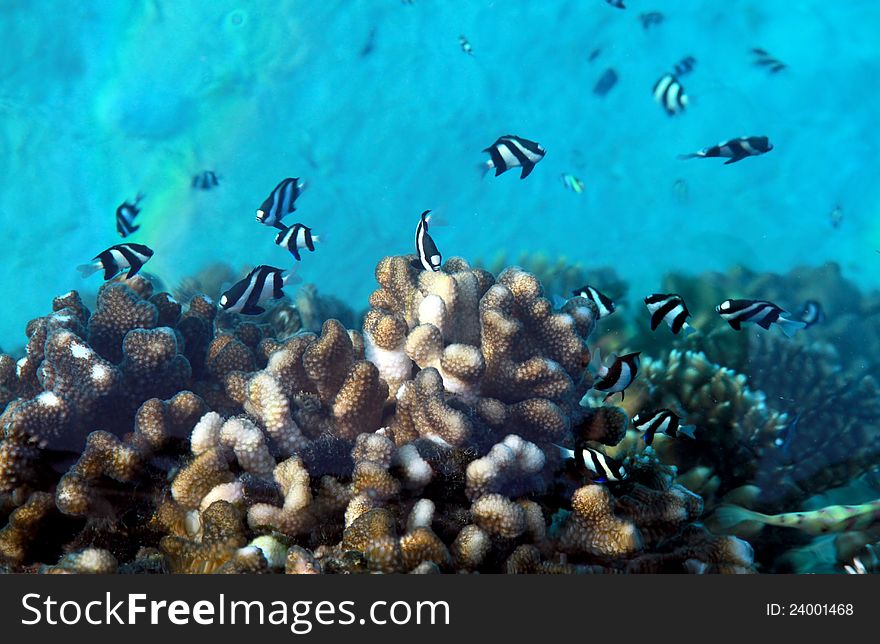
102	100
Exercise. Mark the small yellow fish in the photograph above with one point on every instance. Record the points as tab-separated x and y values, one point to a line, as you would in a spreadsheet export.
572	183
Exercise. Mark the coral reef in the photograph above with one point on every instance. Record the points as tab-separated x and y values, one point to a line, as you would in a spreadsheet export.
159	437
153	436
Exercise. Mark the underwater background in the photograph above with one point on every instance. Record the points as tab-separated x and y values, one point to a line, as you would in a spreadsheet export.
384	113
375	104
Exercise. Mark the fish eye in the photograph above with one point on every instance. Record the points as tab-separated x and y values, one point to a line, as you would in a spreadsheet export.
223	301
724	305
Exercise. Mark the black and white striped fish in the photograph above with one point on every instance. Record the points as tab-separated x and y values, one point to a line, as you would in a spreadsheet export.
616	378
685	66
125	214
428	256
812	313
836	216
602	302
262	284
118	258
606	82
669	308
760	312
670	94
280	202
205	180
600	467
734	150
295	237
511	151
616	3
764	59
465	45
661	421
650	18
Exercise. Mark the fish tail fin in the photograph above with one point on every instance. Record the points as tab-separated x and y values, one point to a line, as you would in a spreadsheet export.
691	155
290	277
564	452
86	270
729	518
687	329
484	168
558	302
687	430
596	360
437	221
320	239
790	327
302	184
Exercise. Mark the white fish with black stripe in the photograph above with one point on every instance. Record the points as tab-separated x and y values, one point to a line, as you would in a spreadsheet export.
427	255
734	150
205	180
116	259
661	421
764	59
262	284
760	312
465	45
616	378
669	92
669	308
125	215
280	202
617	4
684	66
603	302
812	313
600	467
296	237
511	151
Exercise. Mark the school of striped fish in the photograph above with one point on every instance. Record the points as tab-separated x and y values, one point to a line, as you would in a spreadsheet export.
265	284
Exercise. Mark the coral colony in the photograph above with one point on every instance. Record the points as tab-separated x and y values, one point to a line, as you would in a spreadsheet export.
154	436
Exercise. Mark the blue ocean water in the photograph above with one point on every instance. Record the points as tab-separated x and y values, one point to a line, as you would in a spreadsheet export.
375	104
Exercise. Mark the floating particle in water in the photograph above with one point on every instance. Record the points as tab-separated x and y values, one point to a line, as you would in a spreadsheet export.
650	19
606	82
594	54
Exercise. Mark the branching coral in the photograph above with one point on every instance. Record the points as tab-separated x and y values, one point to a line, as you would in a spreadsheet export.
203	442
735	427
